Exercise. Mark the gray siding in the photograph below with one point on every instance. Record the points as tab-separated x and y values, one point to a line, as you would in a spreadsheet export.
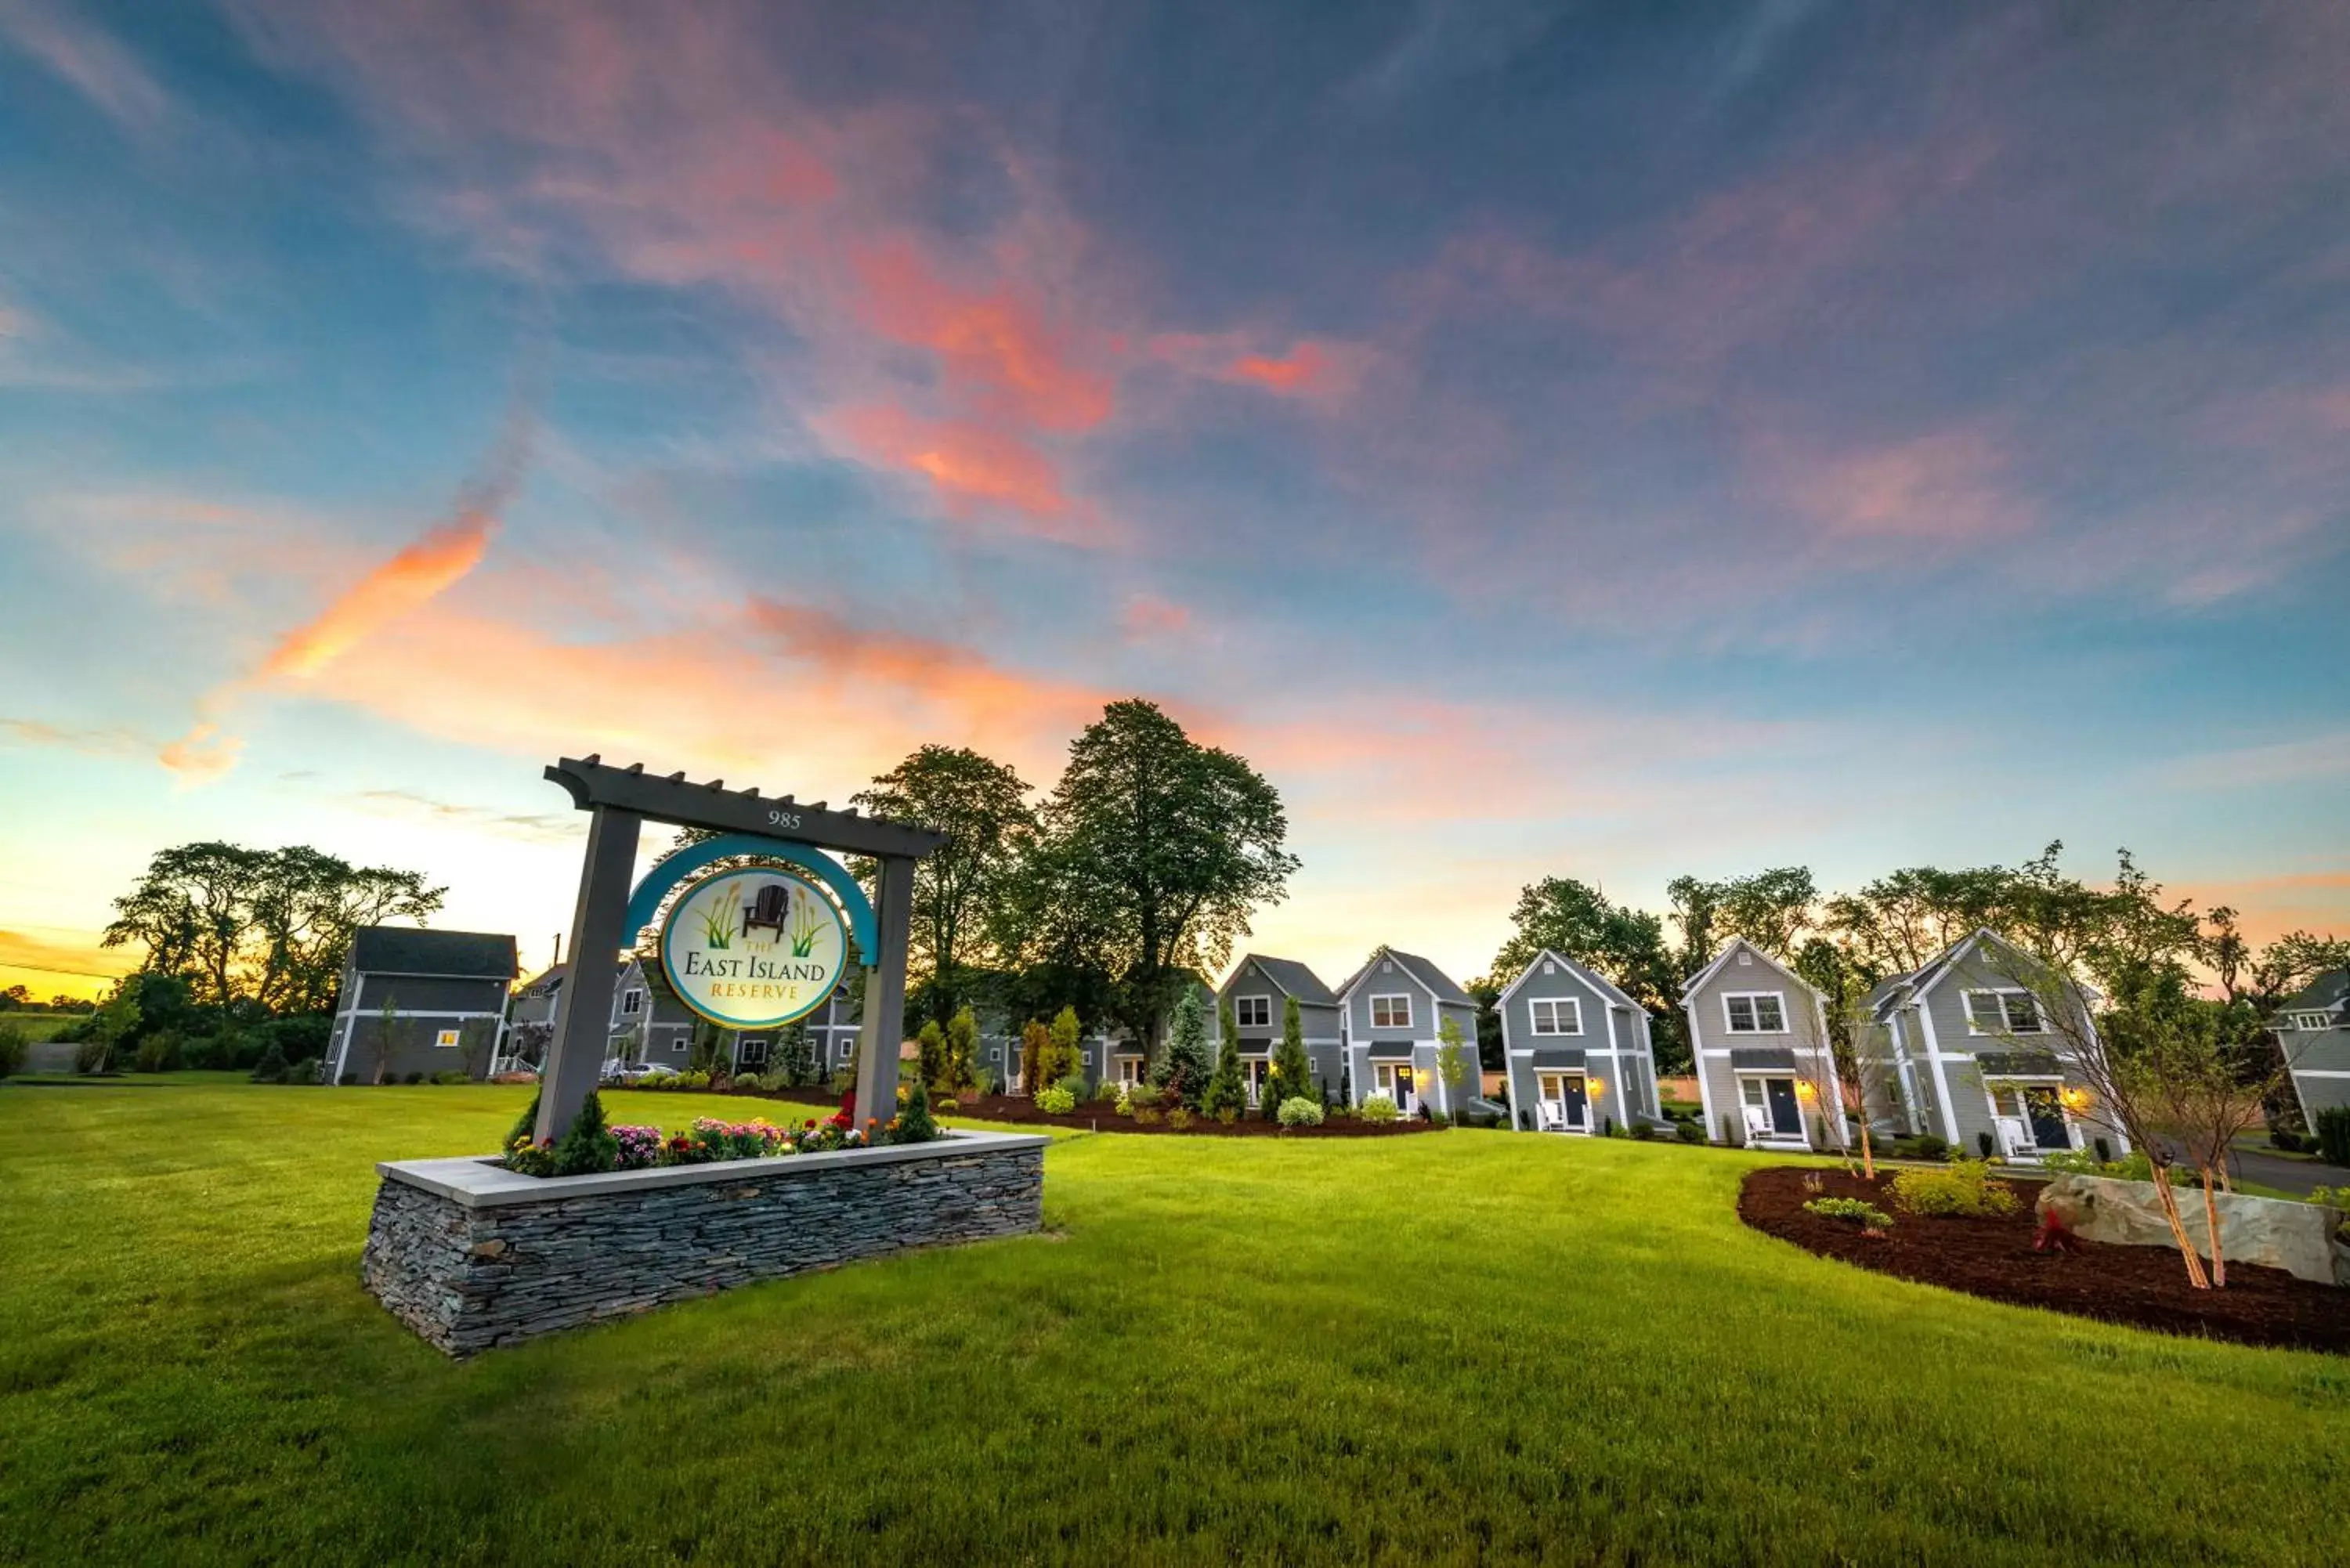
1317	1023
2320	1062
421	994
1623	1062
1388	977
1710	1036
1941	1024
369	1052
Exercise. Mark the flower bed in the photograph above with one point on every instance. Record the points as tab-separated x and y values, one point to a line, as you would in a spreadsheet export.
1103	1115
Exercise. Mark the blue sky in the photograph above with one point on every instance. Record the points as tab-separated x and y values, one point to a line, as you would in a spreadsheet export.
1603	440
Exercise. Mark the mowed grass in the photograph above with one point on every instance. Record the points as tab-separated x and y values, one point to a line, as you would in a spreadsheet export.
39	1026
1448	1348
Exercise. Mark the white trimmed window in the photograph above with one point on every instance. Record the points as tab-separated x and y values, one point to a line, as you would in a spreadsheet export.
2004	1013
447	1039
1391	1012
1754	1012
1253	1011
1557	1014
2313	1021
678	1044
631	1003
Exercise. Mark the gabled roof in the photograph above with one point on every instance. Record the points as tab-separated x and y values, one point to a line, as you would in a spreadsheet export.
1729	949
1583	972
1290	977
1424	974
2328	991
453	955
547	981
1913	986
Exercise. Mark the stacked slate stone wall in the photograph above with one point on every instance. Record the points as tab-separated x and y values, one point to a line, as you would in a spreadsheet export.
467	1279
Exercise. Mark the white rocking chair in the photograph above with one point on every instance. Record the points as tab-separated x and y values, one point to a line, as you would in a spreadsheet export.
2016	1139
1758	1123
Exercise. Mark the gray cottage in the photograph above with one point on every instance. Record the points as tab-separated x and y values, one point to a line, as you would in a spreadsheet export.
1577	1050
1963	1049
414	1001
1391	1014
530	1020
1764	1070
1258	992
2314	1030
648	1025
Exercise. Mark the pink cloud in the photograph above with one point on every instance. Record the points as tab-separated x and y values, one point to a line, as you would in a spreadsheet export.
97	67
994	347
1147	617
1948	487
976	472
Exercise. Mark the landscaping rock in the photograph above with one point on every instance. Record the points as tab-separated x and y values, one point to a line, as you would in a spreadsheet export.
2295	1237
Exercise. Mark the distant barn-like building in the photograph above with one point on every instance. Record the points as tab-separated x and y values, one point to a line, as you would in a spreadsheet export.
421	1002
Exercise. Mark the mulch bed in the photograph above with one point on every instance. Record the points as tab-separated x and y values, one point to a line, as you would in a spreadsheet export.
2142	1286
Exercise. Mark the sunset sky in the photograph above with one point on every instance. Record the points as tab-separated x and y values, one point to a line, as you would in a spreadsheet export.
1612	441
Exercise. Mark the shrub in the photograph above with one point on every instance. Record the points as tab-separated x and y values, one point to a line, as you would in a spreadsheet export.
416	1078
1689	1132
913	1124
1300	1112
2339	1199
1437	1119
271	1068
450	1076
1181	1119
13	1047
1925	1146
983	1080
589	1147
525	1125
2285	1138
1866	1215
2106	1152
162	1051
1148	1116
1983	1142
1377	1109
1229	1115
2332	1130
1055	1101
1642	1131
1965	1190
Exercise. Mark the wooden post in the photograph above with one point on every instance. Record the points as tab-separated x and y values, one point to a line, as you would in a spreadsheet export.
885	996
583	1014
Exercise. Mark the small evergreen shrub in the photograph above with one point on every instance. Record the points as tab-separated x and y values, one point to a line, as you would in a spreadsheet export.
1689	1132
416	1078
1866	1215
2332	1130
913	1124
271	1068
1925	1146
589	1147
1148	1116
1983	1142
452	1076
1055	1101
525	1125
1437	1119
1300	1112
2106	1152
1377	1109
1965	1190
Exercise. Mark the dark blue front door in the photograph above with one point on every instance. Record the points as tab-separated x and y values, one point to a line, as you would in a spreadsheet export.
1786	1120
2048	1120
1578	1104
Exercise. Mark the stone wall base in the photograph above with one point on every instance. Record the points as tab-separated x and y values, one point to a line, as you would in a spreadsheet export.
468	1271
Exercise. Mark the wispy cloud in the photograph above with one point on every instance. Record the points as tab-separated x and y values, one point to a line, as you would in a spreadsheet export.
94	64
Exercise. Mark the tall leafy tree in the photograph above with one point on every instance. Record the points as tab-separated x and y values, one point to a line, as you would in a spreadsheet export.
982	807
1626	945
271	926
1773	909
1156	851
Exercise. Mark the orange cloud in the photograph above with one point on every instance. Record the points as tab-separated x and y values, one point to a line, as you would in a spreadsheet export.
1300	372
991	346
398	587
972	467
49	968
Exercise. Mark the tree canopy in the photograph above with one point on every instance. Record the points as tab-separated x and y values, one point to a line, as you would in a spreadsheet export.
271	926
960	891
1156	850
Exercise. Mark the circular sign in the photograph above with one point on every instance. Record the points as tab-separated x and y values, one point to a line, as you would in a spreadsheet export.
753	949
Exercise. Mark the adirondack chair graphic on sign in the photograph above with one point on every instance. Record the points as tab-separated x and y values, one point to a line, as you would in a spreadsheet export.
772	910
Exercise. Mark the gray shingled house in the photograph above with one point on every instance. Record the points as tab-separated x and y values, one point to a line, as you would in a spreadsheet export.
1764	1070
2313	1028
1259	990
1963	1049
1392	1012
415	1001
1576	1048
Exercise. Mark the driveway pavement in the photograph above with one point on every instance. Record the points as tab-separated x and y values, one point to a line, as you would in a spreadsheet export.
2271	1170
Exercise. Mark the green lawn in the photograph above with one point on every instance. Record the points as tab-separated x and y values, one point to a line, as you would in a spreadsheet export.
1436	1348
39	1026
